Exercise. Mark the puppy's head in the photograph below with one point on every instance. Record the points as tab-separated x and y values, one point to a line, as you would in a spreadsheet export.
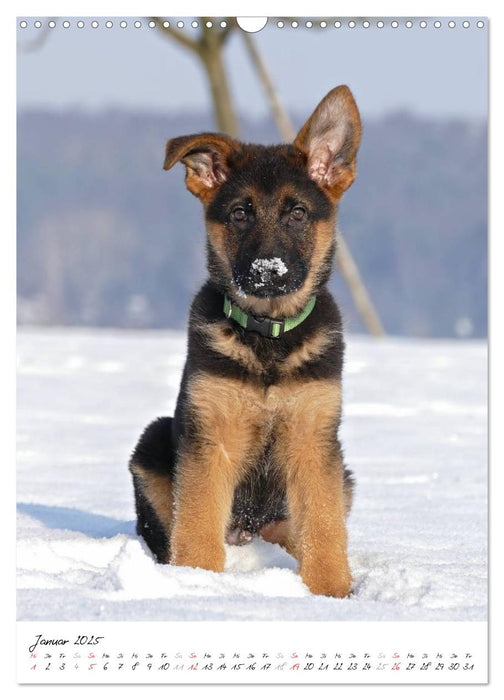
270	210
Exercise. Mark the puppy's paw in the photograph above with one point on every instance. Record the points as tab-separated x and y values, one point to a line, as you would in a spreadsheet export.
199	555
336	583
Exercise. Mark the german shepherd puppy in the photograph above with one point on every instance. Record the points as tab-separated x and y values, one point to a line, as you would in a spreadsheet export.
253	446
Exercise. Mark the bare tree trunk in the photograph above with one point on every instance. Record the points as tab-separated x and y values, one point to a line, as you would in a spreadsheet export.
360	296
209	48
280	116
210	52
344	259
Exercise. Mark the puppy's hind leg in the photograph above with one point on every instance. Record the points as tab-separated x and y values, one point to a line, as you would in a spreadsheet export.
279	532
152	465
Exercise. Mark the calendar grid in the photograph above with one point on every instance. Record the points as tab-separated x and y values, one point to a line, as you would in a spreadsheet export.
174	652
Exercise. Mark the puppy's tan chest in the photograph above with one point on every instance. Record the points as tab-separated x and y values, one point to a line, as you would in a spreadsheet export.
226	408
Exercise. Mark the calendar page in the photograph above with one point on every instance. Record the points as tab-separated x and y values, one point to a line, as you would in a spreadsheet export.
252	429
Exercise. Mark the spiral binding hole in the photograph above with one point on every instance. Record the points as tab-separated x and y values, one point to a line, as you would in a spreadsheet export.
280	24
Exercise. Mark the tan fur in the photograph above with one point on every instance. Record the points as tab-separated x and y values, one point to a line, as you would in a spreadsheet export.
217	235
312	348
314	478
224	341
323	239
205	157
158	490
198	187
279	532
211	467
236	419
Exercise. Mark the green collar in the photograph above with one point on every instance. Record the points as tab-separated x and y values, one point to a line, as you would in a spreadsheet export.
268	327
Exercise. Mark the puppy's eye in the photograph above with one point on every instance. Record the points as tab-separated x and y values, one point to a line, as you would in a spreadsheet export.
239	214
298	213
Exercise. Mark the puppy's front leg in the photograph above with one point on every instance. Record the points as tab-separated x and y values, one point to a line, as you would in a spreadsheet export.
315	494
211	462
311	459
206	478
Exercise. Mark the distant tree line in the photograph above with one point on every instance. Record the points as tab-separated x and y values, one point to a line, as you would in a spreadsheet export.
107	238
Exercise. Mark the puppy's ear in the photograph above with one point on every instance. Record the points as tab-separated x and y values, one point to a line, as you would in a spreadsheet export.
330	139
206	159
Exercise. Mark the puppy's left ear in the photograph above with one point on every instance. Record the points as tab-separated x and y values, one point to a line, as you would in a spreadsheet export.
330	139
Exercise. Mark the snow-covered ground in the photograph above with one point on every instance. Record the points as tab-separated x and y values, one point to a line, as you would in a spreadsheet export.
414	432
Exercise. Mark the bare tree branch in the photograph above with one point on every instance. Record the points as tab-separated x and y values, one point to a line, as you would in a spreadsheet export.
361	298
176	34
38	42
231	25
284	124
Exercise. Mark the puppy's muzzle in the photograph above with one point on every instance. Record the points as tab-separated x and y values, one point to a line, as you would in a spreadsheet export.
270	277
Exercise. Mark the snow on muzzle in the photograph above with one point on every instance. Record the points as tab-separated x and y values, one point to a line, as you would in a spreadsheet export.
269	277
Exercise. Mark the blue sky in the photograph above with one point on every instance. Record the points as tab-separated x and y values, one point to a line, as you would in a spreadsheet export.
435	72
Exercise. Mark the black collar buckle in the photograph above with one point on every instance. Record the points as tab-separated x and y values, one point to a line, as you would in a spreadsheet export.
267	327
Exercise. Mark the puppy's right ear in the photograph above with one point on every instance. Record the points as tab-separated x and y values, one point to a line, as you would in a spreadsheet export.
206	158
